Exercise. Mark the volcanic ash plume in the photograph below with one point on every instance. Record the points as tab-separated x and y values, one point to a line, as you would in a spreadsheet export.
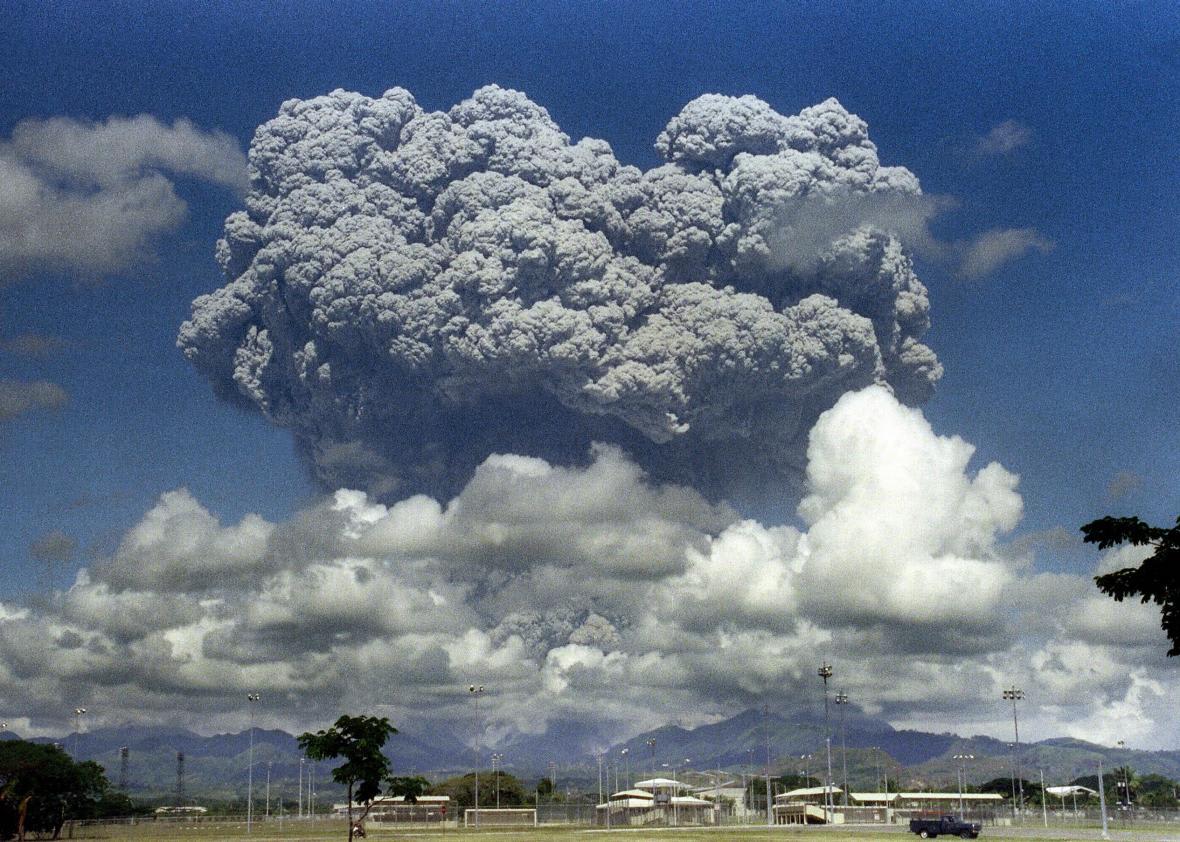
409	291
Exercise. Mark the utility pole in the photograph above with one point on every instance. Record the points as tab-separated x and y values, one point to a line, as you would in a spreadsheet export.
180	779
124	764
251	698
1015	694
825	672
1102	801
1044	807
476	690
766	722
842	702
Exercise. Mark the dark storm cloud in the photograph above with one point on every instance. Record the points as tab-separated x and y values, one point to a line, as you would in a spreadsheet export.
410	291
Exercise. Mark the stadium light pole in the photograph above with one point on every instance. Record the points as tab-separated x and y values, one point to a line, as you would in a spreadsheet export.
497	765
78	714
825	672
1015	694
626	754
251	698
962	758
1125	782
747	796
842	702
476	690
651	745
1102	801
766	725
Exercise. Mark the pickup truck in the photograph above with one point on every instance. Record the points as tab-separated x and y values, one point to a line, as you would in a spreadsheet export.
946	825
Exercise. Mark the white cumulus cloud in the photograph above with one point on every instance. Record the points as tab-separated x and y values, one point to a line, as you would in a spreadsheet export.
91	197
597	594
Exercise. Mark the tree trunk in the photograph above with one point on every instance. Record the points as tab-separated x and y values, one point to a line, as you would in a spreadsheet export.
350	812
20	820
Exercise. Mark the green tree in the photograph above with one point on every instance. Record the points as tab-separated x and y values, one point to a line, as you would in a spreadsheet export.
1156	792
1156	580
359	740
461	789
41	788
1003	786
407	787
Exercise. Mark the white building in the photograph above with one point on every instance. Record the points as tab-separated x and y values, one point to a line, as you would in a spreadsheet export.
656	801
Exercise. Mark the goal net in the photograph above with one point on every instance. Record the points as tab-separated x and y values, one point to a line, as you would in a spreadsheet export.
504	817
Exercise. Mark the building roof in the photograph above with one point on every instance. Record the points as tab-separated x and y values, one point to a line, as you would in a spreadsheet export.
659	783
724	785
873	796
806	792
422	799
632	793
950	796
1062	791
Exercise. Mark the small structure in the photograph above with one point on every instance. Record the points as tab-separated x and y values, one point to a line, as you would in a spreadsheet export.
807	805
427	809
657	801
183	811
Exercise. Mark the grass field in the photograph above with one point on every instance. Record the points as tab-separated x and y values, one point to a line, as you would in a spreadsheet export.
336	830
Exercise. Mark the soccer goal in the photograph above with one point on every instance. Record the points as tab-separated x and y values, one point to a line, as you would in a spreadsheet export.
504	817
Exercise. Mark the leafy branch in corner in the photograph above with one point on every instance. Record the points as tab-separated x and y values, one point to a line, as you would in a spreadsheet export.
1156	579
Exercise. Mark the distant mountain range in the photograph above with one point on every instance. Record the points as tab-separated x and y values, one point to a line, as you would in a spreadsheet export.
215	767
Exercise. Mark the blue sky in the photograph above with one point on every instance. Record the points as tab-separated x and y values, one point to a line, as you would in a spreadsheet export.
1060	363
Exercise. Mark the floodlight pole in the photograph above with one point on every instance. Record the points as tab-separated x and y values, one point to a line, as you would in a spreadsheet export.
962	758
1102	801
498	767
1015	694
78	714
1126	781
626	752
842	702
1044	806
766	724
476	690
251	698
825	672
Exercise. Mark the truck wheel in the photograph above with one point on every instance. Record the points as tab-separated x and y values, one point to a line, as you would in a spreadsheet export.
925	834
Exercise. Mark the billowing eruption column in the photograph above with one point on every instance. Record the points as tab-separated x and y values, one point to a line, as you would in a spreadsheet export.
409	291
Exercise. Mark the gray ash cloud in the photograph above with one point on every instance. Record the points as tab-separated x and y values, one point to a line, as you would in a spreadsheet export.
409	291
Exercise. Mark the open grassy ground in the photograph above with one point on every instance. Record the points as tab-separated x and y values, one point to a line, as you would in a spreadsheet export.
207	831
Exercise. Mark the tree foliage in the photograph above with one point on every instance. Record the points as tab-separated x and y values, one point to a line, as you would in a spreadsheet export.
461	789
408	787
1156	580
359	740
41	788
